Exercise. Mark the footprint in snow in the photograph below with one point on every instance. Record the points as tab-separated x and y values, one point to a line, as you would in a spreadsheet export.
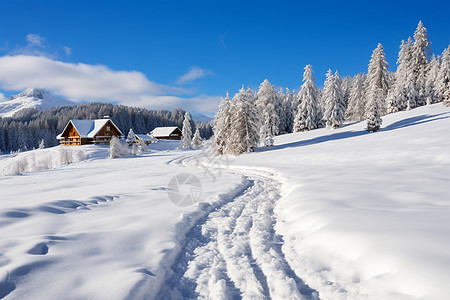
39	249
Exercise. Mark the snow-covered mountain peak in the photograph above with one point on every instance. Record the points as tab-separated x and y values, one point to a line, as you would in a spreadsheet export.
31	98
31	93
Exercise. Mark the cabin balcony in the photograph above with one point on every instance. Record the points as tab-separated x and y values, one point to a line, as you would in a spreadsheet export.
70	141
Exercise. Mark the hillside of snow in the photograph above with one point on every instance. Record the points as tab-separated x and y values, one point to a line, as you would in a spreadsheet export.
325	214
366	215
31	98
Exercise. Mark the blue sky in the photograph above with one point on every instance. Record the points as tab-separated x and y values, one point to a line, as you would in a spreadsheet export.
162	54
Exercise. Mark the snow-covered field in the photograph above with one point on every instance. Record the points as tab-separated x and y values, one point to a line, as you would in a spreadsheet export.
327	214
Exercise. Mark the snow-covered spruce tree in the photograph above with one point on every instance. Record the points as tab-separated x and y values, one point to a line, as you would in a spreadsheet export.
443	78
401	95
377	87
244	132
186	132
378	75
420	52
221	125
334	100
346	86
131	138
288	113
321	109
357	101
266	107
42	144
307	117
432	78
296	101
279	109
197	141
373	109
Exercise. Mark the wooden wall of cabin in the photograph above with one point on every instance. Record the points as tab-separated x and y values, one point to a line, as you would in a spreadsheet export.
104	132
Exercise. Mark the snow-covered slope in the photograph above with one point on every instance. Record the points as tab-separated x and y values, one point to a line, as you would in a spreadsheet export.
31	98
326	214
366	215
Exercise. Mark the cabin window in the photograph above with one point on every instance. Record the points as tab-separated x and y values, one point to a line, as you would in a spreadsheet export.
108	128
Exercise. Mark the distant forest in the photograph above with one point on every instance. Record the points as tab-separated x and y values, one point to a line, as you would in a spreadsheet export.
27	128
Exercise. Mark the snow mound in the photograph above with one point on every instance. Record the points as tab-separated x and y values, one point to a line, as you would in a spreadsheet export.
31	98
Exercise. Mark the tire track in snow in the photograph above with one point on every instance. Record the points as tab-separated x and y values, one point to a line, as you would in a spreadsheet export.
234	252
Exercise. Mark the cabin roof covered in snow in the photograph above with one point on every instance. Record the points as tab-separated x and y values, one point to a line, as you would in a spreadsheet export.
88	128
163	131
144	137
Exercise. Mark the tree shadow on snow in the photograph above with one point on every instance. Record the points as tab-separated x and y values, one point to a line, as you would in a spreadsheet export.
416	121
350	134
316	140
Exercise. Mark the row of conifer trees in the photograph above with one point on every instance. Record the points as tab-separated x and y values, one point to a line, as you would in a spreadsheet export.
248	119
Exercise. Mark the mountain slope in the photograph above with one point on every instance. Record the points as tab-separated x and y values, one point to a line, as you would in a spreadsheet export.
31	98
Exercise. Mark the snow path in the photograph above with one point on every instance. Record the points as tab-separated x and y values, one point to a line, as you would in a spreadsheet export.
234	252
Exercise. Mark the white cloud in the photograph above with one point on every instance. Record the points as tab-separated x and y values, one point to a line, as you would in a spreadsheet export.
67	50
36	45
2	97
192	74
84	82
35	40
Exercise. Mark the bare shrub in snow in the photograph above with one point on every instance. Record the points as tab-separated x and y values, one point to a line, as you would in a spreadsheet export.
117	148
80	155
142	146
46	163
19	166
65	156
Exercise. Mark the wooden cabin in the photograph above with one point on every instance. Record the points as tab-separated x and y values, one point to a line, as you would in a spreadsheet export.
145	138
167	133
82	132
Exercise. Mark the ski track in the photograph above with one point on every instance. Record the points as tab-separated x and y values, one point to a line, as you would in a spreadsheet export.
234	251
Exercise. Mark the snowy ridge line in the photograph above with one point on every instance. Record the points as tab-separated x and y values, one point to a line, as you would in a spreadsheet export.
149	288
242	246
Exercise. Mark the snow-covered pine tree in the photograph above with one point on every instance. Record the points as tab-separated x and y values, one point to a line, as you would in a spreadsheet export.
420	52
280	110
221	125
373	109
377	88
288	112
307	117
357	101
346	85
401	95
432	78
197	141
443	78
42	144
244	133
131	138
186	140
265	104
296	101
334	100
